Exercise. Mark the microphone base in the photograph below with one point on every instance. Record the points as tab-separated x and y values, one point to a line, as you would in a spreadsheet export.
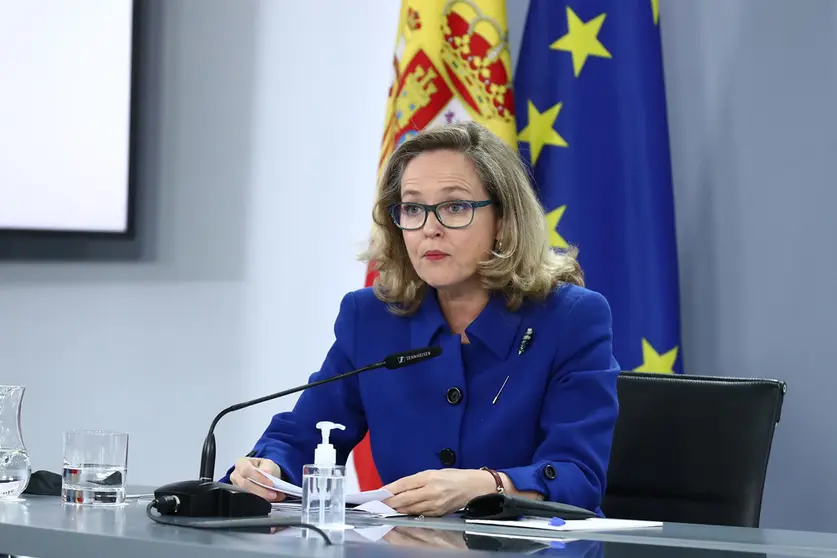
205	498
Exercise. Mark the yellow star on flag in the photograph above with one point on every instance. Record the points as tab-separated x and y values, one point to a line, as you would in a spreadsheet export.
652	361
552	219
655	9
582	39
539	131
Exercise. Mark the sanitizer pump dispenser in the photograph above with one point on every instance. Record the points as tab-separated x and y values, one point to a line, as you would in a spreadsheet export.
324	484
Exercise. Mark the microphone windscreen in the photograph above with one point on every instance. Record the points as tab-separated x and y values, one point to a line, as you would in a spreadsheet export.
411	357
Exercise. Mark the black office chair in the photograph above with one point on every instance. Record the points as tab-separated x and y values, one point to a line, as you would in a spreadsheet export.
692	449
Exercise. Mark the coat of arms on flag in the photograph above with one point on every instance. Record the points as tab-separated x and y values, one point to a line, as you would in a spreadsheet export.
451	63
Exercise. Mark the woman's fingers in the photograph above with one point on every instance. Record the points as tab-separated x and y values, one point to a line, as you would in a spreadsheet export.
246	469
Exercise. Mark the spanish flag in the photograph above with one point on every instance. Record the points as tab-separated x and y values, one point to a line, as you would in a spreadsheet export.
451	64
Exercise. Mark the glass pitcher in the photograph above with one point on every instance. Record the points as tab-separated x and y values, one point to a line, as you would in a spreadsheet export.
15	467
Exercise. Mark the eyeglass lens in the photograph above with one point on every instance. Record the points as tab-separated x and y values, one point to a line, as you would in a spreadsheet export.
451	214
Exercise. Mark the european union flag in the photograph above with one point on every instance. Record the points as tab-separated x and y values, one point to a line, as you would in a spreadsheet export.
591	112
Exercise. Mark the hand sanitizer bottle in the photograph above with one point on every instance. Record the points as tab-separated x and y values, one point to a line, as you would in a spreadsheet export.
324	485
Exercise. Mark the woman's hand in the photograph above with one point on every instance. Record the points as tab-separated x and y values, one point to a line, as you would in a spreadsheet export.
438	492
251	468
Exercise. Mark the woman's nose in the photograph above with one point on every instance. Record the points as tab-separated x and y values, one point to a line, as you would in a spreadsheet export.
432	226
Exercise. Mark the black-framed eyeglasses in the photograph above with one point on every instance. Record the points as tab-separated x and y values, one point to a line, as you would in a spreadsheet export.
453	214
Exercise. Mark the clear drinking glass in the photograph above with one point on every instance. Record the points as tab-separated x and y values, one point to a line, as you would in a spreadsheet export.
95	466
15	467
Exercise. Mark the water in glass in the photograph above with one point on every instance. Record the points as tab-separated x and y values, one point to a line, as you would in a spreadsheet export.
15	467
95	467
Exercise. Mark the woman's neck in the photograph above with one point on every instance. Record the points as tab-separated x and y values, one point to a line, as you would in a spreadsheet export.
461	308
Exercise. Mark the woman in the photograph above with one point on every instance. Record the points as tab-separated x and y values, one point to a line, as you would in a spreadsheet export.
523	397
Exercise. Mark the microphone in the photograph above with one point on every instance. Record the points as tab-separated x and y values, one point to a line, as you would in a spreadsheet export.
206	498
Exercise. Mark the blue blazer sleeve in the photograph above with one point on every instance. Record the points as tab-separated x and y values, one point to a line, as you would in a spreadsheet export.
291	437
579	413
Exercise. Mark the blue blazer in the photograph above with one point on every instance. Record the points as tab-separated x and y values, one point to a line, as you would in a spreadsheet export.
550	429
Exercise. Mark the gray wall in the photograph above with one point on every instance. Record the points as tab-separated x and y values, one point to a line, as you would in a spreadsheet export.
751	89
232	139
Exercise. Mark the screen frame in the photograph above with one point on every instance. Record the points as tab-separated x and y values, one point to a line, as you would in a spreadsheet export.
134	107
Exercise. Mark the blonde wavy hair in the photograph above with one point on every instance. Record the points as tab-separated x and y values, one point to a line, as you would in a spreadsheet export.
522	265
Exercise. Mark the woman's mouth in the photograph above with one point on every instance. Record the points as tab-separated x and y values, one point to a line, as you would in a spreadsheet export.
435	255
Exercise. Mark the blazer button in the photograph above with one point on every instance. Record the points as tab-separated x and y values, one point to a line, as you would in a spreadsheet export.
454	395
549	472
447	457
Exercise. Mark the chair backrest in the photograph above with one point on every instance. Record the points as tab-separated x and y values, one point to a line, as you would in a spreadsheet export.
692	449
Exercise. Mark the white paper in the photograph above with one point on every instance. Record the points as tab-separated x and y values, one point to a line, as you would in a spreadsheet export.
369	496
356	498
280	485
592	524
376	507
